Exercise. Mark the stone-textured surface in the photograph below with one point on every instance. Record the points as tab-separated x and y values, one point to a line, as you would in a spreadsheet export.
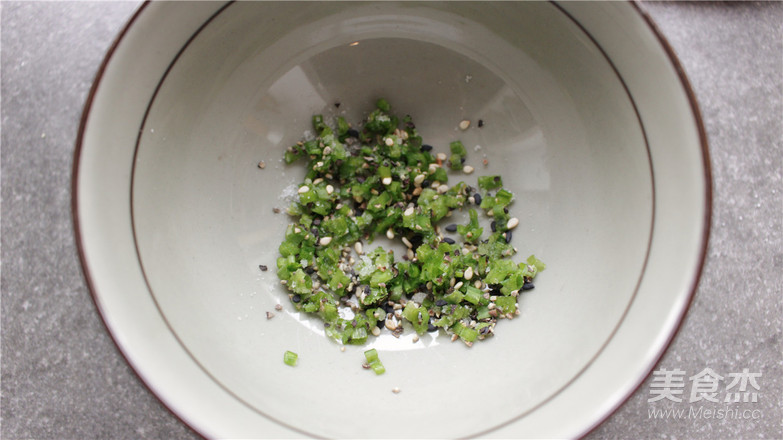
62	377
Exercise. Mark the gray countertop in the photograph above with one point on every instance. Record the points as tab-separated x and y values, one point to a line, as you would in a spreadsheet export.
63	378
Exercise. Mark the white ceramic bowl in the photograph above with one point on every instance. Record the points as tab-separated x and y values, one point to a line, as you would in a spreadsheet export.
587	116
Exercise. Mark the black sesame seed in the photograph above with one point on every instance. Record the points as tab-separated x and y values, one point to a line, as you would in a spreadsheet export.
452	227
480	123
431	328
352	133
477	198
380	323
440	302
493	226
528	286
296	298
448	240
337	105
505	210
508	236
425	183
263	267
388	308
426	147
309	270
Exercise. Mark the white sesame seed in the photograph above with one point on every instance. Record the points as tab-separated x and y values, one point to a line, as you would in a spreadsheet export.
443	188
407	242
467	169
327	150
410	254
458	285
325	240
464	125
329	189
396	390
408	211
432	168
318	180
304	189
342	348
388	141
418	179
358	247
416	191
415	339
468	273
376	331
390	234
512	223
386	180
441	156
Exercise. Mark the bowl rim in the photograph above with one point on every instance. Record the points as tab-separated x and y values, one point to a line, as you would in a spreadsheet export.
678	322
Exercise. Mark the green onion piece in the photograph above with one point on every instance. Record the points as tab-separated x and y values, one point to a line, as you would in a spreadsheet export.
506	303
371	355
378	368
490	182
290	358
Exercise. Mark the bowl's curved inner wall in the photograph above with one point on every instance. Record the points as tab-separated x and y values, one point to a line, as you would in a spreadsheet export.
559	127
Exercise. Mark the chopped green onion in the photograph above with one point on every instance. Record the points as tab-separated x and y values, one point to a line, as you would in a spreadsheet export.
381	178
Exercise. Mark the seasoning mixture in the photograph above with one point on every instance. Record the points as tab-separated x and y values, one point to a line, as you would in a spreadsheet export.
382	179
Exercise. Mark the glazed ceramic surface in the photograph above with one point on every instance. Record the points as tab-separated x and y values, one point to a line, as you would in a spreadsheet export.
584	115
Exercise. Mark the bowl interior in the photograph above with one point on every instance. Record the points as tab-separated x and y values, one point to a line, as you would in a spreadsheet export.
558	125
